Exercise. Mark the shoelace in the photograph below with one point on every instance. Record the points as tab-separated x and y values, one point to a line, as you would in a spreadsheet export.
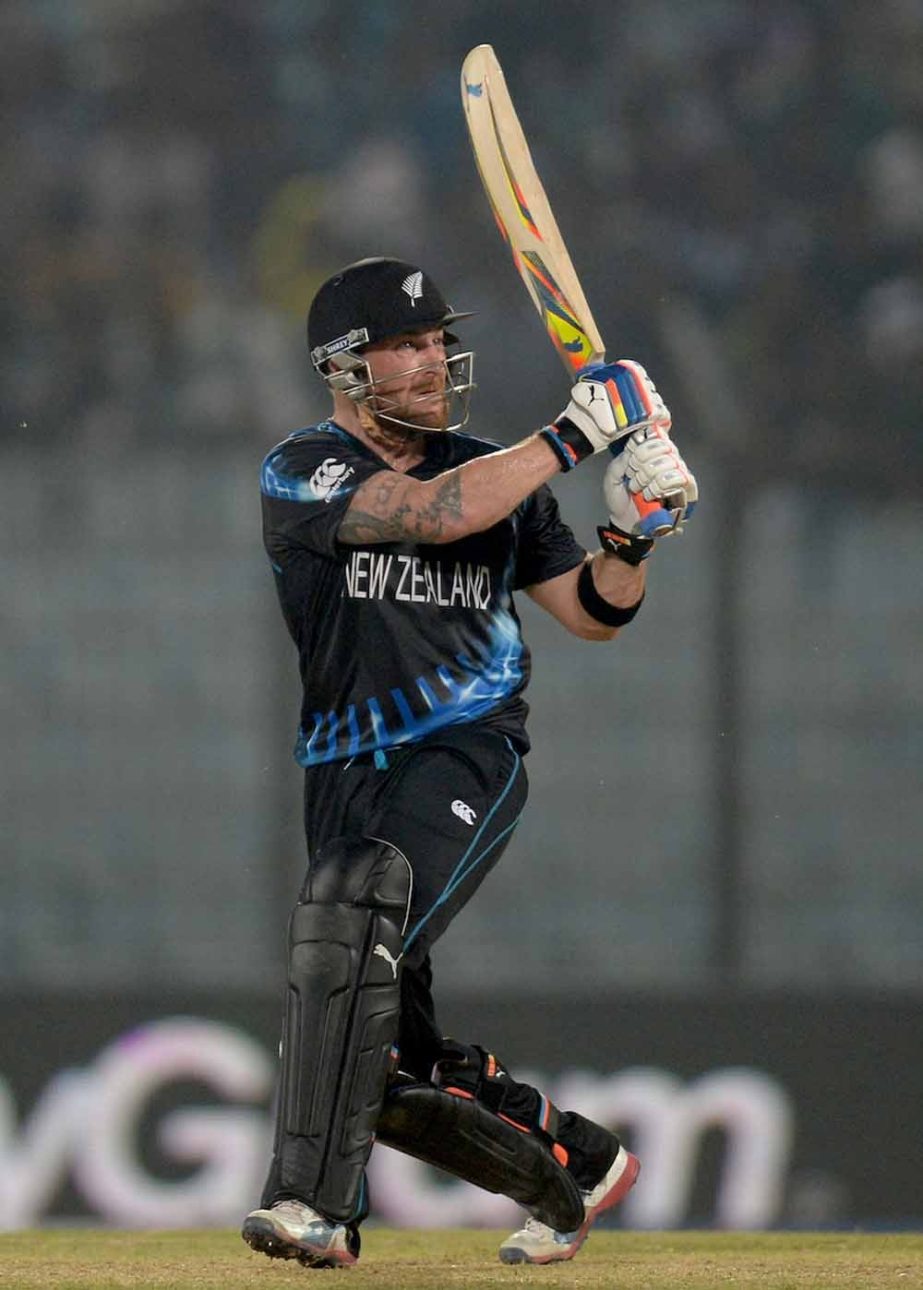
291	1210
537	1226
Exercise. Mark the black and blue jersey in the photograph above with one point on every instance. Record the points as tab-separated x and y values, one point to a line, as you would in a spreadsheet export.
399	639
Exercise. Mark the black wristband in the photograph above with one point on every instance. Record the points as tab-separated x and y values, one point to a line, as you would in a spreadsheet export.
597	607
623	545
569	443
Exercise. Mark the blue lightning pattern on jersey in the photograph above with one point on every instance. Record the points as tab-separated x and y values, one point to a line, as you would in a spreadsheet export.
472	687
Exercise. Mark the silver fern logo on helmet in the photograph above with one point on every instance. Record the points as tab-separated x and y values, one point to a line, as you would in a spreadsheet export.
413	286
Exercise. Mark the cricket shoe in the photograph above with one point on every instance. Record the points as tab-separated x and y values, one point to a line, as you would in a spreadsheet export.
538	1243
289	1229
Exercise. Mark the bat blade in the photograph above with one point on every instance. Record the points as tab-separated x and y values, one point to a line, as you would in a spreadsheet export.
522	211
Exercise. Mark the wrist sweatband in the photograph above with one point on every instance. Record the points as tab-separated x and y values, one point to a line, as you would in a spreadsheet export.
569	443
598	608
622	545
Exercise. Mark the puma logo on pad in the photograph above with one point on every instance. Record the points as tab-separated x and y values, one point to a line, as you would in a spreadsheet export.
384	953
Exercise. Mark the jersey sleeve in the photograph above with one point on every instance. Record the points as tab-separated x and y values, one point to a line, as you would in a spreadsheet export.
546	546
307	483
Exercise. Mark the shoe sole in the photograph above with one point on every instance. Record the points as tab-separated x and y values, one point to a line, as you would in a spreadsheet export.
616	1193
261	1236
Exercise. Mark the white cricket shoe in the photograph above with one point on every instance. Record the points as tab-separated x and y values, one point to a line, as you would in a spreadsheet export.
289	1229
539	1243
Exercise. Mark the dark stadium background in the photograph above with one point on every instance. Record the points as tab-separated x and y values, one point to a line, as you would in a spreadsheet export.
720	869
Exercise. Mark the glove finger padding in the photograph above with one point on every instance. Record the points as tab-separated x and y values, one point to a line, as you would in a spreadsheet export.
655	467
649	489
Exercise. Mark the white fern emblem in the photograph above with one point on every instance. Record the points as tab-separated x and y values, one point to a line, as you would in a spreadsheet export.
413	286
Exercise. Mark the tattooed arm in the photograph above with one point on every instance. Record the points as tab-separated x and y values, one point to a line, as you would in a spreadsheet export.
393	507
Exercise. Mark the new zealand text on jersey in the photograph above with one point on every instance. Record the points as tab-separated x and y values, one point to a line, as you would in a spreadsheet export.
373	575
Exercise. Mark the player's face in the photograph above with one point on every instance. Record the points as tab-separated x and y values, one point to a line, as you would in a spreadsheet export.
410	377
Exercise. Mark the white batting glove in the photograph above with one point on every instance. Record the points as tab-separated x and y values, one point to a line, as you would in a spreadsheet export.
650	492
609	401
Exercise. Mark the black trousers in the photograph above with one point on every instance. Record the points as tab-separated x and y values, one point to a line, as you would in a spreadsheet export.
450	804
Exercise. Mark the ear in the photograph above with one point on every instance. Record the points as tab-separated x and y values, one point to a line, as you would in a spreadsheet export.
348	374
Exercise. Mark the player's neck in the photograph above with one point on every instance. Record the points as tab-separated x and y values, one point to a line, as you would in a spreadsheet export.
398	446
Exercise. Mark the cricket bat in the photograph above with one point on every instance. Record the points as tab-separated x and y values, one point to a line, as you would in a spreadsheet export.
522	212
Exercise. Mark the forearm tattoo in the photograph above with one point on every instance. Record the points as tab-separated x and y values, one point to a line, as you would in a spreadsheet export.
381	512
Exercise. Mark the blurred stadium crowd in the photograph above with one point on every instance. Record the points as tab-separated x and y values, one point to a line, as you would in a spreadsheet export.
741	186
179	174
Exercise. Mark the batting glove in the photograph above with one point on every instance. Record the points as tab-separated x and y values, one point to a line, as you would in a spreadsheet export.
609	401
650	492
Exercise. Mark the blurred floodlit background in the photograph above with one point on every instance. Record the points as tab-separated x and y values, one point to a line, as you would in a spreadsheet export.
727	804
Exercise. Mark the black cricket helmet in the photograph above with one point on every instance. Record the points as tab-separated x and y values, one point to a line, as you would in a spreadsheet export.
369	301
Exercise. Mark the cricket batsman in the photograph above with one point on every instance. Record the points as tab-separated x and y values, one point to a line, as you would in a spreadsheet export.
398	543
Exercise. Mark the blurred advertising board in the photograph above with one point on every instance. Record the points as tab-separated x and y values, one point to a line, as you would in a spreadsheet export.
747	1113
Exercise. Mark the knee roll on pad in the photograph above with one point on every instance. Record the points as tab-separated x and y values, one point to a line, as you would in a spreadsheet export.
361	872
341	1018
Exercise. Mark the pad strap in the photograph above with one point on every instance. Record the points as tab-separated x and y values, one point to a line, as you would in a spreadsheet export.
471	1071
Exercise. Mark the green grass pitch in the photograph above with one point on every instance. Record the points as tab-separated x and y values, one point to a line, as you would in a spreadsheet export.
91	1259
